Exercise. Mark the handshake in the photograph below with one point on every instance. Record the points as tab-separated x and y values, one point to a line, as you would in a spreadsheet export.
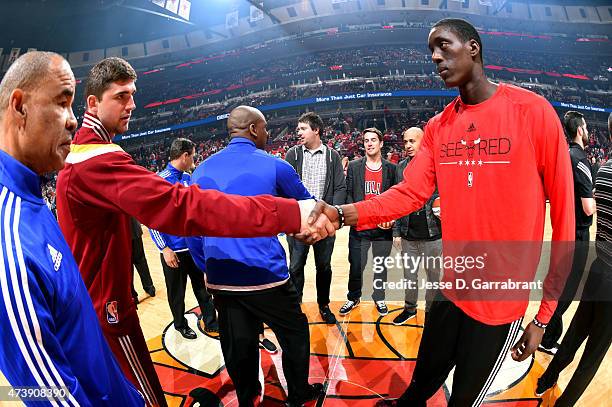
319	220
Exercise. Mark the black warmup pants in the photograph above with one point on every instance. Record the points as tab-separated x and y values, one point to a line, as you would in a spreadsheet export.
176	282
554	330
298	253
240	320
140	262
591	323
451	338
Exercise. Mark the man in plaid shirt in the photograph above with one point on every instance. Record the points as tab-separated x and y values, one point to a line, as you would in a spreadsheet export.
321	171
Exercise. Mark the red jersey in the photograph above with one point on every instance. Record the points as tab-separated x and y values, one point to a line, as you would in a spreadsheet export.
373	182
101	187
372	187
495	164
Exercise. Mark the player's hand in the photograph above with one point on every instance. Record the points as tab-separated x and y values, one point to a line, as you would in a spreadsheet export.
397	243
529	342
322	208
313	230
386	225
170	257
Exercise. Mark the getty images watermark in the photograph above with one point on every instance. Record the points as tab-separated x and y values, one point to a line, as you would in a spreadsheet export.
462	272
479	271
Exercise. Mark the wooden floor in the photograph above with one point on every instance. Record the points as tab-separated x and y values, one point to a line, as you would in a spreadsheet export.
155	319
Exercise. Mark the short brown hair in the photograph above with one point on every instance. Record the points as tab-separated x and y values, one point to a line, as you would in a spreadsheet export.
180	146
375	131
313	120
106	72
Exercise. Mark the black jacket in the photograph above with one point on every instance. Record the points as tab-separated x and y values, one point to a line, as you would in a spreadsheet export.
400	228
355	179
334	192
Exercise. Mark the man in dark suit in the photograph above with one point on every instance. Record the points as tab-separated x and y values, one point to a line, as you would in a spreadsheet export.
367	177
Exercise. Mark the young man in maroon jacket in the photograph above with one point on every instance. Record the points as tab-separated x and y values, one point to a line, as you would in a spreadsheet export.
101	187
490	140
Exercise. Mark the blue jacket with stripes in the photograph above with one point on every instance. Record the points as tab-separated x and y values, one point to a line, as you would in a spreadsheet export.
49	332
163	240
244	264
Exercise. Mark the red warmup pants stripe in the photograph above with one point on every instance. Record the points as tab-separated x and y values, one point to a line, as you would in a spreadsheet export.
133	356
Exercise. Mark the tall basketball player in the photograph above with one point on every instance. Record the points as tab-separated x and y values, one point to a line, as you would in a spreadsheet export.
489	140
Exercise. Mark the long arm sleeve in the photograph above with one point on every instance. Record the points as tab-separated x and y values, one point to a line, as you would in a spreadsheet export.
349	184
405	197
183	211
340	192
32	353
158	238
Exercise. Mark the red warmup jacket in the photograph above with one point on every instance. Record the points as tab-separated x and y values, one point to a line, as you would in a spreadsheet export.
495	164
101	187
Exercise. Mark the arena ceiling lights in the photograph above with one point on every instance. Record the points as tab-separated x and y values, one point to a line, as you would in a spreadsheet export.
180	8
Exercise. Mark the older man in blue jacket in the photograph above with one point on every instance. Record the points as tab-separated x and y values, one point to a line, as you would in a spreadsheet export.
50	337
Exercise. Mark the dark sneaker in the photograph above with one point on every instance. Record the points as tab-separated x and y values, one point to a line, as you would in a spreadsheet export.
205	397
405	315
381	306
348	307
542	387
212	328
327	315
551	350
314	391
268	346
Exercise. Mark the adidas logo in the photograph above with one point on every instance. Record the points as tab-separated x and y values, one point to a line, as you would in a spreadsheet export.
471	128
55	256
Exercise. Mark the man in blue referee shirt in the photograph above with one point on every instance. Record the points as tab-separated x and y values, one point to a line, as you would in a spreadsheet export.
50	337
248	277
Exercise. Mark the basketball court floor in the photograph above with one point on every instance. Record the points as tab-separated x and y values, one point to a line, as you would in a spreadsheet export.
360	359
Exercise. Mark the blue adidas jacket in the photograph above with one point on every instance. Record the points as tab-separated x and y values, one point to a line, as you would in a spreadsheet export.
163	240
244	264
49	332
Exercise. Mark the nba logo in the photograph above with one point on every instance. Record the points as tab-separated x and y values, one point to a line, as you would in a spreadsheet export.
470	179
112	316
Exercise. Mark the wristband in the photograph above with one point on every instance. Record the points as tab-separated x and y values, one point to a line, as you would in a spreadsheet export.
340	215
539	324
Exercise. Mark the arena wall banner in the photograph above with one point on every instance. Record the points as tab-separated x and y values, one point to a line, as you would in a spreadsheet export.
337	98
581	107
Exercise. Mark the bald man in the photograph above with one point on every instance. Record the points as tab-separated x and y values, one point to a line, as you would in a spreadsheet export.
417	234
46	315
249	278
